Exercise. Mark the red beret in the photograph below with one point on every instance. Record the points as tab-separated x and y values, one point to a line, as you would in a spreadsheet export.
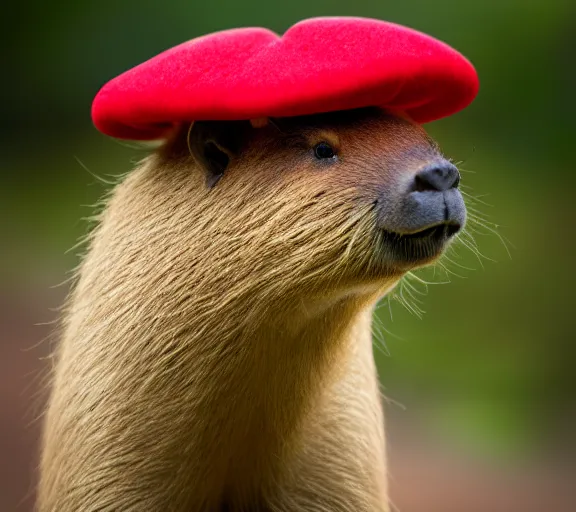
319	65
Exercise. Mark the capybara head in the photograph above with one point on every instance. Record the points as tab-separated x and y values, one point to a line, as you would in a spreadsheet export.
315	205
345	197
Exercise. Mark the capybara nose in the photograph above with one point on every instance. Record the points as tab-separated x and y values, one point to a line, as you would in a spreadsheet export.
438	177
432	198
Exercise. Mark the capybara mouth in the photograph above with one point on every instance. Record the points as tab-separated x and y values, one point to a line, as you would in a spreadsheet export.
444	230
420	246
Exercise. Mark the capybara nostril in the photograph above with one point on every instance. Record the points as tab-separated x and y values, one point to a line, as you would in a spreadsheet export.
438	177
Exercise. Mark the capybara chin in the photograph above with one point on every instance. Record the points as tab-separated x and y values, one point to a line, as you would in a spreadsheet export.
216	350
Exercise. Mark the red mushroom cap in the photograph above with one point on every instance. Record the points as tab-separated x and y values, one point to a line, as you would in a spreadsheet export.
318	65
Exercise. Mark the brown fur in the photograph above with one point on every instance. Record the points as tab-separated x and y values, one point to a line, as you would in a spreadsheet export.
217	349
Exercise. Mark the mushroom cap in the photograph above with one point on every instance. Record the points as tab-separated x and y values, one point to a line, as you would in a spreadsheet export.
318	65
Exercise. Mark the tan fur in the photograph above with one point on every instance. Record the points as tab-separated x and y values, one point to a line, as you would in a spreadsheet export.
217	349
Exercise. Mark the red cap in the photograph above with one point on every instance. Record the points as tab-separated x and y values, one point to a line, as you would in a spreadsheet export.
319	65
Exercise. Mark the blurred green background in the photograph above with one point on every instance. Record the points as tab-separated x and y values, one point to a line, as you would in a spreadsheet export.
482	387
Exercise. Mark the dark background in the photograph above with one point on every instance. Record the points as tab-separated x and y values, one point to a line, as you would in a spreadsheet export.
482	415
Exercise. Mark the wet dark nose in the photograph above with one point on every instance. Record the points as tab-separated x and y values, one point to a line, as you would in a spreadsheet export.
431	198
438	177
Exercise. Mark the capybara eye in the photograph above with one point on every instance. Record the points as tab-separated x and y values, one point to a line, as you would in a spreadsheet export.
323	150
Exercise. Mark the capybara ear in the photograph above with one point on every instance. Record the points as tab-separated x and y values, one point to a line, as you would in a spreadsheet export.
213	144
